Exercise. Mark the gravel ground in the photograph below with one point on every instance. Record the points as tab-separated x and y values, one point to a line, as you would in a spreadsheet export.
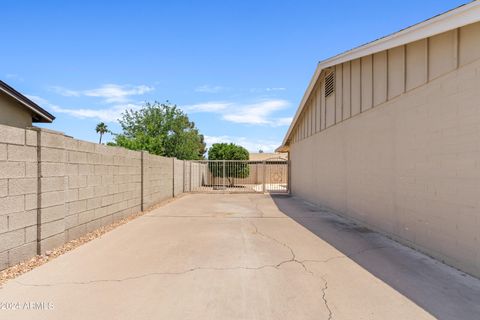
23	267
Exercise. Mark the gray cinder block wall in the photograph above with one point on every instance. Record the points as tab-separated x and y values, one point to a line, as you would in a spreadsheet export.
18	195
396	145
158	179
54	188
178	180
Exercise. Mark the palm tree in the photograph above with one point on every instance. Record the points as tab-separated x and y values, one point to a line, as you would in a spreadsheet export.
101	129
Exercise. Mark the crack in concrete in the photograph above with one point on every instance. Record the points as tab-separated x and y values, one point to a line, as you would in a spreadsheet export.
265	266
145	275
324	297
293	257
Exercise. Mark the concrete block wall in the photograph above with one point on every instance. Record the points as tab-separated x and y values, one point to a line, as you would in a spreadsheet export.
158	179
54	188
198	175
18	195
409	168
187	177
104	185
178	178
194	175
52	192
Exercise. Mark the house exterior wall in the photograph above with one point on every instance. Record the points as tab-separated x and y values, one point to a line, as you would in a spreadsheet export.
408	166
12	113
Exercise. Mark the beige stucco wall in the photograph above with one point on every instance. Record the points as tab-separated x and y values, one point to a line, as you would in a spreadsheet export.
12	113
409	167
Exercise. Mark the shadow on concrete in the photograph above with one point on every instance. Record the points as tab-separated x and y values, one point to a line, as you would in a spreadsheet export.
444	292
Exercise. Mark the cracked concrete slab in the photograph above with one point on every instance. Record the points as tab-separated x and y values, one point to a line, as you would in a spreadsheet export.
214	256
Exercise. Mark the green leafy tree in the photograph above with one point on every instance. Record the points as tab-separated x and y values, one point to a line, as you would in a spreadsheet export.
228	151
162	129
101	129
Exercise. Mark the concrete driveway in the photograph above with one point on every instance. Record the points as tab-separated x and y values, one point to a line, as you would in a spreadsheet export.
207	256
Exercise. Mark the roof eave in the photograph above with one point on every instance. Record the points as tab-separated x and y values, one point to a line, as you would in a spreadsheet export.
283	148
456	18
39	114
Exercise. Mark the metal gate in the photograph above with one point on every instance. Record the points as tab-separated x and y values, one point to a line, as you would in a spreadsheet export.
243	176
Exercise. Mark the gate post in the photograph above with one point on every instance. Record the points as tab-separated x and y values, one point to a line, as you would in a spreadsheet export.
263	175
289	174
173	177
184	176
224	186
142	180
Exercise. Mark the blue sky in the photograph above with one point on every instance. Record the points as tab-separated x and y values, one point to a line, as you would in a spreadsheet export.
238	68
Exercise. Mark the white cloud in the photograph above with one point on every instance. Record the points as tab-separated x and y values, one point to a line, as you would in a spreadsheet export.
271	89
207	107
247	143
209	89
259	113
275	89
39	100
110	114
117	93
284	121
111	93
65	92
206	88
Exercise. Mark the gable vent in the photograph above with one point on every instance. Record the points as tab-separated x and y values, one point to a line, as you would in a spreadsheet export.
329	84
